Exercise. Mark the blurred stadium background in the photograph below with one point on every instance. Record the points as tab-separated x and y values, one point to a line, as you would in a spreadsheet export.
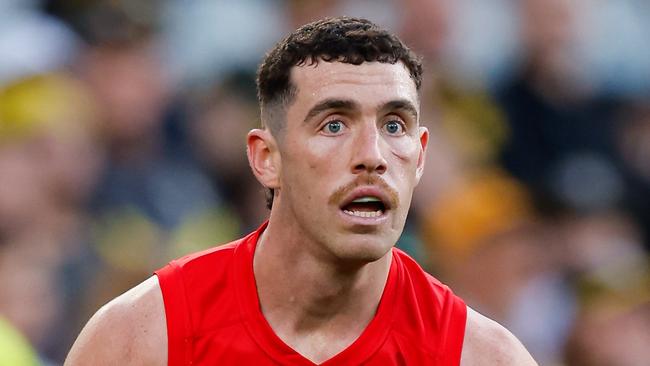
122	146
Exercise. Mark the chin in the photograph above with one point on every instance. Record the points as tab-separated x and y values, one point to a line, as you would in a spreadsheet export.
363	249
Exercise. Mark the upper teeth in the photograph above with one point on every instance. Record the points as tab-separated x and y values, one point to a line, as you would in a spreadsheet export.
366	199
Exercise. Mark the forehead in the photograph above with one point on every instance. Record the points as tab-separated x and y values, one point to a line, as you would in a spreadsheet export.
368	84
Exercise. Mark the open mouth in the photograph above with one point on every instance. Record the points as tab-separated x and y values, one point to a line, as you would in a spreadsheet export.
367	206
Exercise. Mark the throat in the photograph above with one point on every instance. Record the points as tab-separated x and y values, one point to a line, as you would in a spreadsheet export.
320	329
317	307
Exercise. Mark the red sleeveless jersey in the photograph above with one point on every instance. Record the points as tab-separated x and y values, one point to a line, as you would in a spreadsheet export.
214	318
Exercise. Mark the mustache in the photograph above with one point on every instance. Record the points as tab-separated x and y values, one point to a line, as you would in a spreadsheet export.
366	180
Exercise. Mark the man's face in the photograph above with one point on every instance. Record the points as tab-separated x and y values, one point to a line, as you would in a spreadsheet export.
351	155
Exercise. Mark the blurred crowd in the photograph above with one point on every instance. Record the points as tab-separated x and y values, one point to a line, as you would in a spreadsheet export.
122	146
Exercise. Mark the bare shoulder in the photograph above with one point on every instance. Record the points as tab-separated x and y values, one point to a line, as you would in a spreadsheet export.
487	343
129	330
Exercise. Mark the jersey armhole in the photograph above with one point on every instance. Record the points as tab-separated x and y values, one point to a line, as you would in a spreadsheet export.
176	315
456	331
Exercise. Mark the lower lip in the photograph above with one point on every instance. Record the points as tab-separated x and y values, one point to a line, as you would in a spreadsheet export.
369	221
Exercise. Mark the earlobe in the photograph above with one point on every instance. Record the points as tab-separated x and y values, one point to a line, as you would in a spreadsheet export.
262	152
424	141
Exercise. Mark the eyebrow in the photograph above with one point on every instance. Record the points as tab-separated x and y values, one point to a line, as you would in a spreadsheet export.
328	104
346	104
401	104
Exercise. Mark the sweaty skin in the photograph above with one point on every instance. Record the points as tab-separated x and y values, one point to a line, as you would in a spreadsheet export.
352	132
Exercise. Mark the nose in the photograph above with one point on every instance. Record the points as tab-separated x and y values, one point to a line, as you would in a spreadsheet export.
367	155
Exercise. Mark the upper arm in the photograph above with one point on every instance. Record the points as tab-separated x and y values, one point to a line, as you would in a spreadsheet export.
130	330
487	343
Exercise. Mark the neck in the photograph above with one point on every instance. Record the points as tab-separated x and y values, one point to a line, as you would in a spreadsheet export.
310	300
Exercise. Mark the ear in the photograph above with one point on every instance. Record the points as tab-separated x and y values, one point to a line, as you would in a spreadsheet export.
264	157
424	141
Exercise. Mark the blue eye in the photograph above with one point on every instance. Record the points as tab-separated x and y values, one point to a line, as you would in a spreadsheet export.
333	127
394	128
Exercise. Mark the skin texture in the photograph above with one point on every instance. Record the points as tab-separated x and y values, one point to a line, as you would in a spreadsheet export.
306	164
130	330
487	343
344	260
351	131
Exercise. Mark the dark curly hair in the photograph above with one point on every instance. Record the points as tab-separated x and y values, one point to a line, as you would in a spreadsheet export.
342	39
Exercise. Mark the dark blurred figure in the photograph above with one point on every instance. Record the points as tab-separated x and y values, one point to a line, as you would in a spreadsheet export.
221	119
561	135
633	142
612	332
611	277
151	187
50	158
145	170
486	239
150	168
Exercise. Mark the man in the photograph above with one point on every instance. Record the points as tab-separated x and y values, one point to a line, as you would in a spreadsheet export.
320	282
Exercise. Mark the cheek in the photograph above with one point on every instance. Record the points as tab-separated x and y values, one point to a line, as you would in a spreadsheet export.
310	160
405	149
322	154
404	157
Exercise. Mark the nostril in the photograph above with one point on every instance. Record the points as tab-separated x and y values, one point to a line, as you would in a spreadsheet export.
379	168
